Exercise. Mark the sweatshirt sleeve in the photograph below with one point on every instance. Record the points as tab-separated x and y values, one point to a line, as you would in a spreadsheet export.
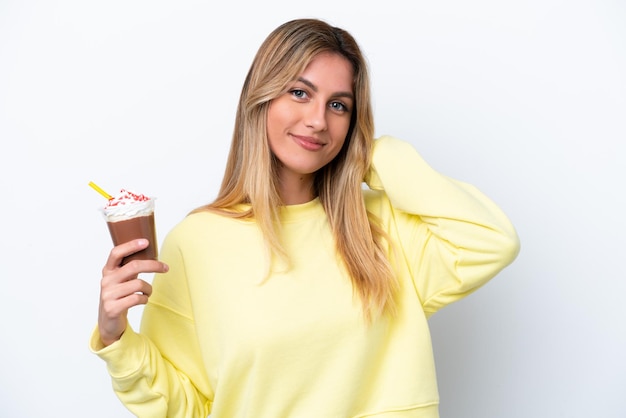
158	372
450	235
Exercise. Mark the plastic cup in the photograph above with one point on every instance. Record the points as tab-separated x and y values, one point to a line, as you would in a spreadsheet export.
132	221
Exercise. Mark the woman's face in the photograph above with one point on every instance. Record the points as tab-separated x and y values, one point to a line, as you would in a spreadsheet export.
307	126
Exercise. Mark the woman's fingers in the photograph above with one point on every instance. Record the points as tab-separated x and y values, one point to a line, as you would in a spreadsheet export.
130	271
121	289
123	284
115	301
118	252
124	289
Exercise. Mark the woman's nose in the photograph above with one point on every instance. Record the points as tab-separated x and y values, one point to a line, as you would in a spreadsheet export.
315	116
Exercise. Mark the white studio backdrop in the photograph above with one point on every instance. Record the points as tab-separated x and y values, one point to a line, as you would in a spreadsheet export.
524	99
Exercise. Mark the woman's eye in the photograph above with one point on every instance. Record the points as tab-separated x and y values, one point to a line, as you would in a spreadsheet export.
300	94
339	106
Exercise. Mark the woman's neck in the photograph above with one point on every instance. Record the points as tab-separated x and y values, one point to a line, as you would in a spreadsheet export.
296	188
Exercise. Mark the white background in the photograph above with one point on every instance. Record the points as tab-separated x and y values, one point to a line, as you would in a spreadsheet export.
525	99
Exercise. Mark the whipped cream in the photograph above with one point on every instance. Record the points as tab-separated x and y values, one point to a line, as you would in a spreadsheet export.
127	205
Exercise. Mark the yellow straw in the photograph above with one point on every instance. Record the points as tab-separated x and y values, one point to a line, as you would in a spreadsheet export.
99	190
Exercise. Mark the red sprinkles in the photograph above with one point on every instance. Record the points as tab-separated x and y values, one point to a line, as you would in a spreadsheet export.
126	196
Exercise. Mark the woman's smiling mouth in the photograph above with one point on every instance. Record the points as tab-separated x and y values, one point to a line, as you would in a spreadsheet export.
308	143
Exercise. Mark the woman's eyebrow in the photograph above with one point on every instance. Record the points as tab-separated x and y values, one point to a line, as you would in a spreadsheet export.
313	87
308	83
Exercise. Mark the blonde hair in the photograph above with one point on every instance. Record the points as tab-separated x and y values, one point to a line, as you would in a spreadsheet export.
251	172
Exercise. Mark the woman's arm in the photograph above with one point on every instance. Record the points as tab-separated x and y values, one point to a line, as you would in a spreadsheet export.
158	372
451	235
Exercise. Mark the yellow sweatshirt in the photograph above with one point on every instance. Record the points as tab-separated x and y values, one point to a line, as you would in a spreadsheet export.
216	339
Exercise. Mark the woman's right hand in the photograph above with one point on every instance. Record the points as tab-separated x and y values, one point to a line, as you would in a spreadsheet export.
121	288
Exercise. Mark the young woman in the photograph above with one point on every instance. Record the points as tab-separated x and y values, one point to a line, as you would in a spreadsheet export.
298	292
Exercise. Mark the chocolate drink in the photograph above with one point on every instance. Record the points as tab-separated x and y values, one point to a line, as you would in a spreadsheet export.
130	229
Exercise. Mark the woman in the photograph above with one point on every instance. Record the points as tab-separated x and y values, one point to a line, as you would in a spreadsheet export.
298	292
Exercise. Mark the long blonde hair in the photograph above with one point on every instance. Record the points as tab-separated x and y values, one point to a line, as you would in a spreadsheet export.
251	171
